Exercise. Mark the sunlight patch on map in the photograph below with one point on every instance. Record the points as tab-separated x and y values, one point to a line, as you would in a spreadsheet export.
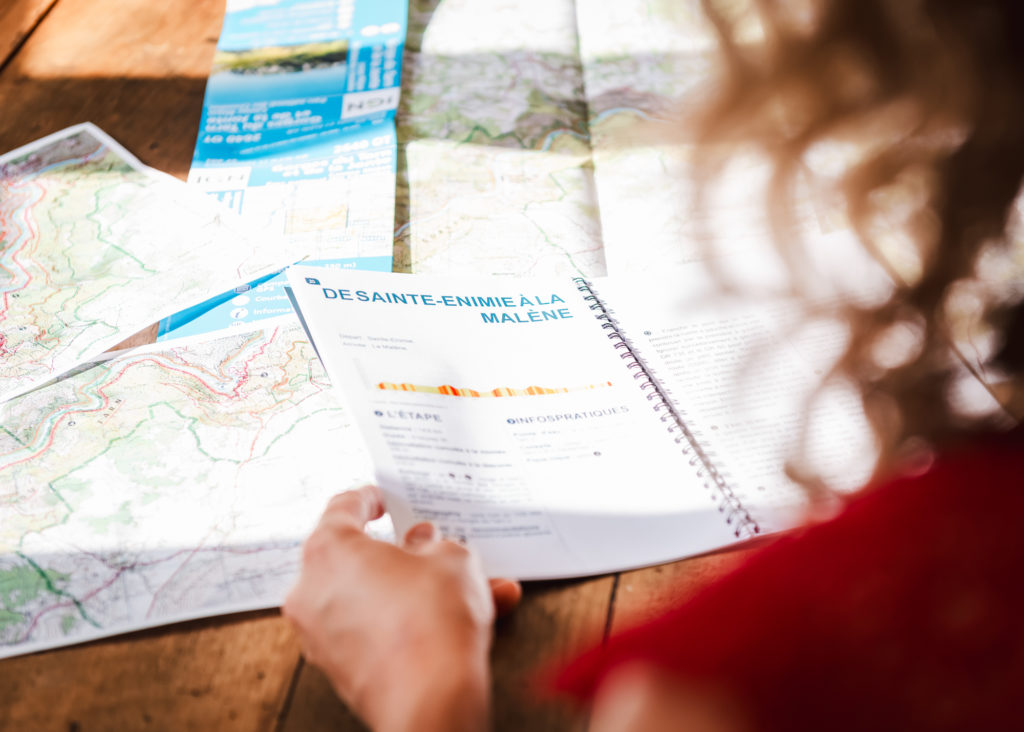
164	483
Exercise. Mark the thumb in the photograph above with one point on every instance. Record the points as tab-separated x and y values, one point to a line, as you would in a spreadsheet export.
506	593
420	536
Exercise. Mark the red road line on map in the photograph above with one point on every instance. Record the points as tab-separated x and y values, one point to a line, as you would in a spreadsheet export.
50	437
105	402
174	574
122	570
98	154
29	220
245	365
183	372
105	399
259	432
289	358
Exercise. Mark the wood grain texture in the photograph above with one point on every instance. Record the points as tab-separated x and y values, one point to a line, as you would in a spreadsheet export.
136	68
17	19
143	337
643	594
314	706
204	675
554	621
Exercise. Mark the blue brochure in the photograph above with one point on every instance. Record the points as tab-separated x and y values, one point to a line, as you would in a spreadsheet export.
298	135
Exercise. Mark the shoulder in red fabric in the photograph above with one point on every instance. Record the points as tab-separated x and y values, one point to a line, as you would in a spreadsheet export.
906	611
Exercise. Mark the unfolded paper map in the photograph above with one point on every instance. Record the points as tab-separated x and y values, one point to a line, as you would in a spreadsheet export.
94	246
544	137
178	481
497	175
164	484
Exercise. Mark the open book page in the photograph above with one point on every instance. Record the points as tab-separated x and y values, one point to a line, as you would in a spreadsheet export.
501	410
741	366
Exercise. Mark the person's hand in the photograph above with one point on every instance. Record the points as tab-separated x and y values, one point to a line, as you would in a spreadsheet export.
402	632
642	697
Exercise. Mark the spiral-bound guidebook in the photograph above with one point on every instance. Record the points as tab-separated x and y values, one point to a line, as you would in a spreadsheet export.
567	427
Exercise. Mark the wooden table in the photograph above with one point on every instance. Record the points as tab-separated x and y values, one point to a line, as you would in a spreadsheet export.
138	69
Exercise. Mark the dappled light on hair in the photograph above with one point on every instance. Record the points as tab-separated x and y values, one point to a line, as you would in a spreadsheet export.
909	114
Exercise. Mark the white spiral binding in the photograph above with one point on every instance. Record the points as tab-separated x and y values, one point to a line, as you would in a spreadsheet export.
742	523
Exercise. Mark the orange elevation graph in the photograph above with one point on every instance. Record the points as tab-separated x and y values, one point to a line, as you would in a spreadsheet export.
501	391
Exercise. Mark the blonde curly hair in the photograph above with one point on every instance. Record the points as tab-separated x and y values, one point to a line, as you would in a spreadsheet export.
939	85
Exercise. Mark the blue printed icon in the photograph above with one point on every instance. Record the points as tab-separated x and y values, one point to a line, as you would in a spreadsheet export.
379	413
312	281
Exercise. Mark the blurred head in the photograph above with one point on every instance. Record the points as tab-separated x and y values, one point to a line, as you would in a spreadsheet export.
929	96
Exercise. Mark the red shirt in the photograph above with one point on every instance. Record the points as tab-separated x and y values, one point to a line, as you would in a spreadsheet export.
905	612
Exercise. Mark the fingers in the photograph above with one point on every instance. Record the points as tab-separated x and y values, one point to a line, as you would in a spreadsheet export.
506	593
353	509
425	537
421	536
341	527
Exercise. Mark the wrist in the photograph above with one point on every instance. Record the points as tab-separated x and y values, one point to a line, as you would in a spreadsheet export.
435	681
450	696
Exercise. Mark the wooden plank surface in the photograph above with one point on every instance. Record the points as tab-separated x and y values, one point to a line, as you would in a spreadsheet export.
210	675
138	69
556	622
643	594
17	19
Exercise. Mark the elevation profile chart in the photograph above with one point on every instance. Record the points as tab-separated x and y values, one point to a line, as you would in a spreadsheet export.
497	392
